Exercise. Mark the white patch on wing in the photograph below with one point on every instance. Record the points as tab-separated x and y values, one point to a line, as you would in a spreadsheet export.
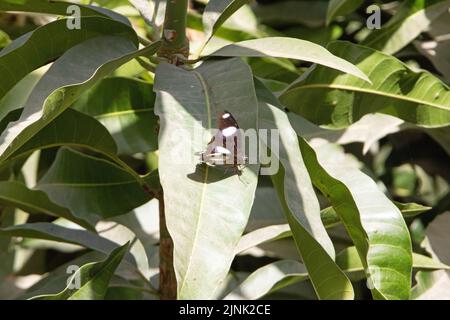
226	115
229	131
221	150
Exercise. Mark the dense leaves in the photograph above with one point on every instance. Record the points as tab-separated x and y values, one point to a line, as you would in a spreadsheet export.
340	100
106	119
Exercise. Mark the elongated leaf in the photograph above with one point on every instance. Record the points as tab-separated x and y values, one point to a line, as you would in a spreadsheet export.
207	219
329	219
437	50
74	129
435	285
349	260
17	97
301	206
58	8
282	273
86	239
411	209
4	39
71	128
262	235
125	107
414	17
53	232
145	8
152	11
91	188
328	98
56	281
217	12
432	285
263	280
93	277
43	45
33	201
283	47
368	130
341	8
373	222
68	77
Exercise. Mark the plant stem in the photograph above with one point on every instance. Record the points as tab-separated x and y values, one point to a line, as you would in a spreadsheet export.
175	49
167	279
174	33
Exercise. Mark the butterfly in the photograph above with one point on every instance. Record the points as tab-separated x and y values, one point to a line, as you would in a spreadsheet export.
225	147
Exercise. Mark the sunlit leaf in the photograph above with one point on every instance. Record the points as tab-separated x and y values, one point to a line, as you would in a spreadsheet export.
340	100
283	47
93	277
373	222
207	219
300	205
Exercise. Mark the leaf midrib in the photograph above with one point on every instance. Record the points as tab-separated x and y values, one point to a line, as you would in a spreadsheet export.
369	91
204	184
122	112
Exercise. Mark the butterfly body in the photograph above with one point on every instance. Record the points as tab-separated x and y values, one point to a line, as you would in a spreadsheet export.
224	149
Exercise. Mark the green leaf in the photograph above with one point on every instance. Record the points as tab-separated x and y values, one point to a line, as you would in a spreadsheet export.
135	265
53	232
58	8
283	47
206	219
71	128
269	278
56	281
368	130
339	100
435	49
301	206
435	285
329	219
16	194
91	188
45	44
217	12
341	8
279	274
431	285
65	81
152	11
125	107
15	99
4	39
94	279
145	8
373	222
261	235
412	18
410	210
349	260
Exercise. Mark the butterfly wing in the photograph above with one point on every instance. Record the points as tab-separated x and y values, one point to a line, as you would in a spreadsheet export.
224	147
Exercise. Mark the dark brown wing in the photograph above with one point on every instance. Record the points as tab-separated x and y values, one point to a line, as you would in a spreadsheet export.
226	120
